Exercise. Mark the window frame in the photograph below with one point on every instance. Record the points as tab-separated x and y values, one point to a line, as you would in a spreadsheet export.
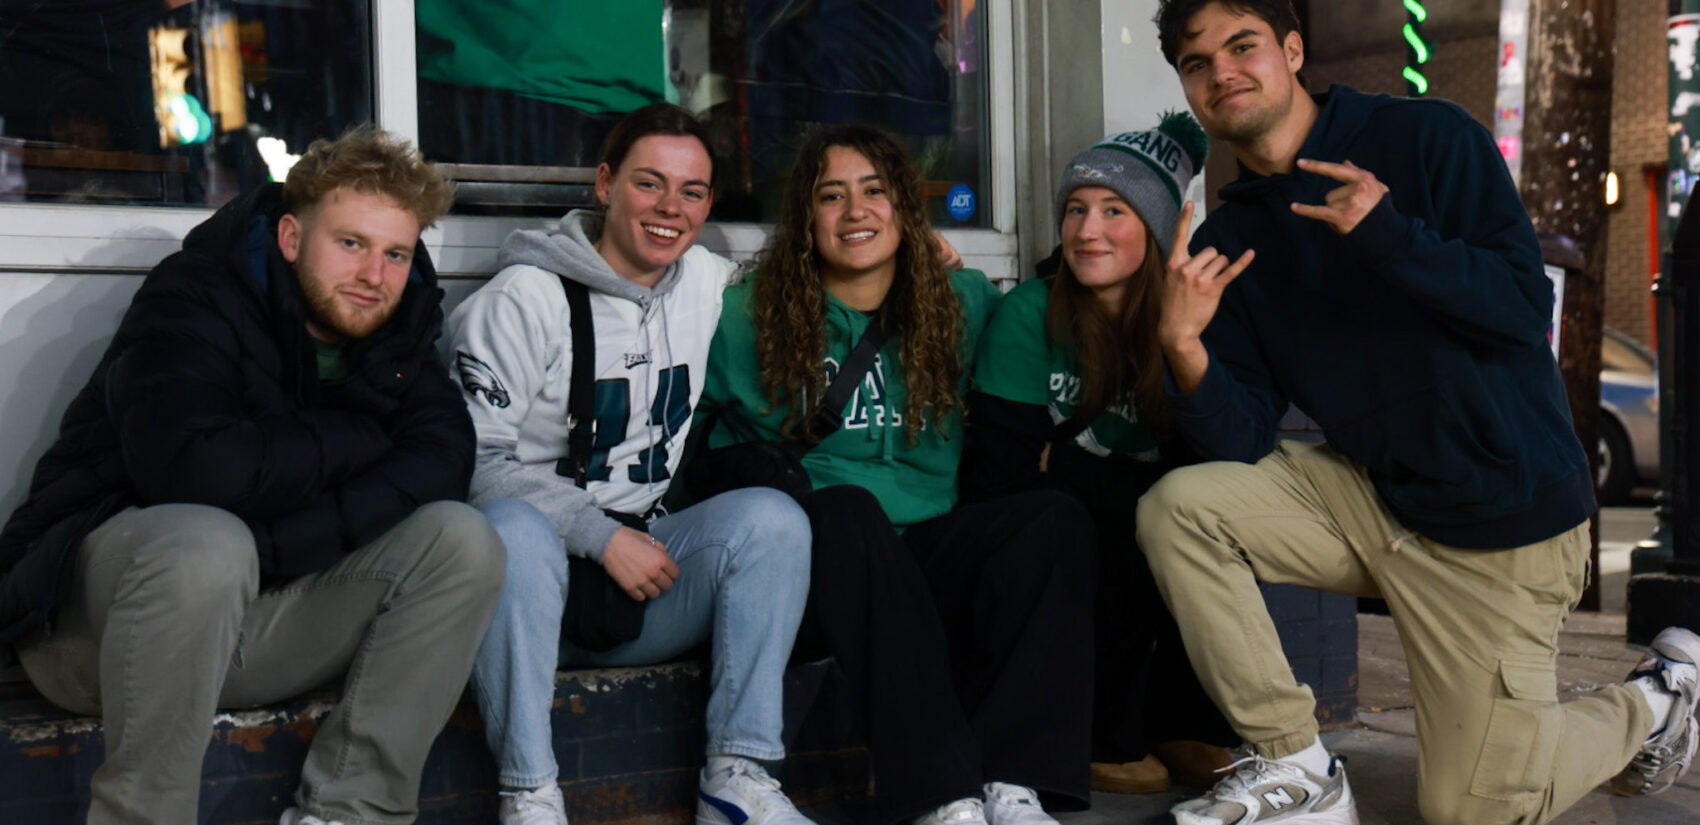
95	238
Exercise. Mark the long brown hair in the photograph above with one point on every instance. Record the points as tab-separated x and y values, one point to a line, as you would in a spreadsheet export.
921	312
1120	359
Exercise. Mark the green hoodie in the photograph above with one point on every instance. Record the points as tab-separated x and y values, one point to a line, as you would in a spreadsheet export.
912	482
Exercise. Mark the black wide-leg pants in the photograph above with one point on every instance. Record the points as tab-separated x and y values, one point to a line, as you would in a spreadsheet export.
966	640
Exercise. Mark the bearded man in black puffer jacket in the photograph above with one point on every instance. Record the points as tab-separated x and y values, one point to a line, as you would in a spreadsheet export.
258	492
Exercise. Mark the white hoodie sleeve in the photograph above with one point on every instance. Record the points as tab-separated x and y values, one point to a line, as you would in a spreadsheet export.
502	338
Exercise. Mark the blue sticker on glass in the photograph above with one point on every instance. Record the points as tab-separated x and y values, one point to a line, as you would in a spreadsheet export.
960	202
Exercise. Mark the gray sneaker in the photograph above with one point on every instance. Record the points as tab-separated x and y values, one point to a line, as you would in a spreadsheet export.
1268	791
1673	664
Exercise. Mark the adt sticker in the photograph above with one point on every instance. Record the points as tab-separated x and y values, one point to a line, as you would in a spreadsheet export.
960	202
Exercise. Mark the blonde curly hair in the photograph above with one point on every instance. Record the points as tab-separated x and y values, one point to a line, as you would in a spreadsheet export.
369	160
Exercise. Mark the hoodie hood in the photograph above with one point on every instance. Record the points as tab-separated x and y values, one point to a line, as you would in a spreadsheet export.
1342	115
569	249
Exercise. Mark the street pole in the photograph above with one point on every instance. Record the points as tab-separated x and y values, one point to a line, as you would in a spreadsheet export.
1566	149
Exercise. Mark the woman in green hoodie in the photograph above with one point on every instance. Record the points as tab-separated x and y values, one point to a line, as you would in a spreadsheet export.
1069	396
958	628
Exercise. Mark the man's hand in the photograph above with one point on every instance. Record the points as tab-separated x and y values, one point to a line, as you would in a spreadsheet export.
948	255
1192	290
1346	205
638	563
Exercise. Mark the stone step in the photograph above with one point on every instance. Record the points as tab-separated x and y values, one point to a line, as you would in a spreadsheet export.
629	742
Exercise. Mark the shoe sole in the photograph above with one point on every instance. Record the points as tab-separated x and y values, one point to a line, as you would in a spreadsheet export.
1681	645
1335	817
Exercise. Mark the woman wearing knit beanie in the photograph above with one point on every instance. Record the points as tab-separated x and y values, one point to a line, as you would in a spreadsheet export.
1070	397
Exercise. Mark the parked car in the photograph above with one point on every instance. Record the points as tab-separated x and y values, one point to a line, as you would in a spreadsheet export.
1629	418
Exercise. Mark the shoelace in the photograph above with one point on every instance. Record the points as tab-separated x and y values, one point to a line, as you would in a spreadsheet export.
1247	771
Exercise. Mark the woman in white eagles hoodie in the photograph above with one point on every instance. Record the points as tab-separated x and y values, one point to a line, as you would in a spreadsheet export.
733	569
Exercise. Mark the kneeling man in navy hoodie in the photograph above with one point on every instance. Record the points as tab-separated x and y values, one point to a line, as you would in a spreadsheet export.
1374	266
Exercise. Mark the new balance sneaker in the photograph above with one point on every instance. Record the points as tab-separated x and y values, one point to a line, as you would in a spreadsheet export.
1673	665
1267	791
968	811
740	792
1008	804
542	806
295	816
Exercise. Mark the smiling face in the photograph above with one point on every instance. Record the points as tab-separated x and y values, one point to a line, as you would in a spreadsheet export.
1104	242
856	232
1239	79
352	254
657	202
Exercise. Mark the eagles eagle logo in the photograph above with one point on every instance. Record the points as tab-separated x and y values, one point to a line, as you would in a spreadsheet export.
477	377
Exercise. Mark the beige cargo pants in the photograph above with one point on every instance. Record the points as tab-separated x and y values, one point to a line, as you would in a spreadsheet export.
1480	630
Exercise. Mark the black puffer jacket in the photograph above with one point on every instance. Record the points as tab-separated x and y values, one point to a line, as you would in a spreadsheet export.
209	394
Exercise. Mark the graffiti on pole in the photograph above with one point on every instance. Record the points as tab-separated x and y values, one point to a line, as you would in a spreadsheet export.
1510	92
1682	33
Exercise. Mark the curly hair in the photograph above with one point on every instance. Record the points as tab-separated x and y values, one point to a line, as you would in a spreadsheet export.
788	300
372	161
1120	358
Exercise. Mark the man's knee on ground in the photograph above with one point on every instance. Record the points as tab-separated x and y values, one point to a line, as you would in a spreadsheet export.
1463	808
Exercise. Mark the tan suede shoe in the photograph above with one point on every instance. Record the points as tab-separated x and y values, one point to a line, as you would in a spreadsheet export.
1193	764
1145	776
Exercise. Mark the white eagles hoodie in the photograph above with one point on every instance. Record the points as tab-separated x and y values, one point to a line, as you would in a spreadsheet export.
512	353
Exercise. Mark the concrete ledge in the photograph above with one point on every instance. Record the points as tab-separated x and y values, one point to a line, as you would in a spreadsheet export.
629	741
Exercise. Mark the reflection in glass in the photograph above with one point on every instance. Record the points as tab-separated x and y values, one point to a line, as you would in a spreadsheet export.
518	96
171	101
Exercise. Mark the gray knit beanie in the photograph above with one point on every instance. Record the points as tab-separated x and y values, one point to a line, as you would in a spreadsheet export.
1150	170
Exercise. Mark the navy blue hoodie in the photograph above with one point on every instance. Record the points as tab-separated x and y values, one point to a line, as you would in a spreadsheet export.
1418	341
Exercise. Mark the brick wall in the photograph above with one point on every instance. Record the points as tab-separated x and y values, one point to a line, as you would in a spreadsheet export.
1639	99
1460	69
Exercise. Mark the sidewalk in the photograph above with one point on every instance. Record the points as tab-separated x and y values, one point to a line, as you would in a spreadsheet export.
1382	747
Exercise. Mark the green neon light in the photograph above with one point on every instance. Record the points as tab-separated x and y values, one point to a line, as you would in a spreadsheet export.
1417	81
1416	9
1417	44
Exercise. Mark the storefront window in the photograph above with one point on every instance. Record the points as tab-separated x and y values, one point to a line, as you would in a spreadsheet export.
173	102
517	97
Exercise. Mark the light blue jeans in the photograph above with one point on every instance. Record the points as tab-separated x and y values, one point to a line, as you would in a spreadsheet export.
743	561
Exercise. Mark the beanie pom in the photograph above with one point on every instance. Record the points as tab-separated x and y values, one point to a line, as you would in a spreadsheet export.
1185	131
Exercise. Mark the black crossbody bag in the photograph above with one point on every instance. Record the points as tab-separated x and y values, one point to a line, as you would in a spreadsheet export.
779	464
598	615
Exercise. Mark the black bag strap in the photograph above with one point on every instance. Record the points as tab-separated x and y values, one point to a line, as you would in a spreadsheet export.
581	388
1067	429
826	418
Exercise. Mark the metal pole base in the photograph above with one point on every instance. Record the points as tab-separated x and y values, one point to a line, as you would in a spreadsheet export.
1660	600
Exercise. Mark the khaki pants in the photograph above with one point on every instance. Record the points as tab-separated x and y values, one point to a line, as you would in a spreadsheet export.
164	623
1480	630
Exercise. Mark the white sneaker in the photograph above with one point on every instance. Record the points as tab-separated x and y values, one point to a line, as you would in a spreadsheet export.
1267	790
1008	804
540	806
965	811
741	793
294	816
1673	664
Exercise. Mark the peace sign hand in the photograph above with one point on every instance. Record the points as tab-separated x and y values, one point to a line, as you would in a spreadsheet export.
1346	205
1192	286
